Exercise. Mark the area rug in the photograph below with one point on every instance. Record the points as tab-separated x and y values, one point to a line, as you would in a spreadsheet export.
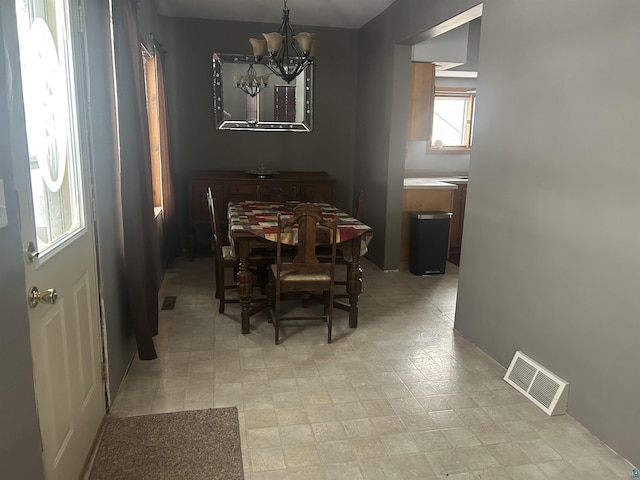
191	445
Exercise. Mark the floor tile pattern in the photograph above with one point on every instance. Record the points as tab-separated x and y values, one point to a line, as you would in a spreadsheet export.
403	396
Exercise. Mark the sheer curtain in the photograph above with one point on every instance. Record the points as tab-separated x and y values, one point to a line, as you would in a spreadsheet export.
140	242
170	226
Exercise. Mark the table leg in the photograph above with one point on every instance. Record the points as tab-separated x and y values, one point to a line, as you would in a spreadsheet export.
245	289
354	283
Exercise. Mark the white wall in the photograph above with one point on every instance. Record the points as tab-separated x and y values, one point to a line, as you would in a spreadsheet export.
550	260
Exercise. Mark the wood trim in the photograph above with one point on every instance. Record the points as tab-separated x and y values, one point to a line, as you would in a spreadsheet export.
461	92
153	116
448	150
421	96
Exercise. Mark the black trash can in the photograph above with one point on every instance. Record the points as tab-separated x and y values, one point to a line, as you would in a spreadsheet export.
428	241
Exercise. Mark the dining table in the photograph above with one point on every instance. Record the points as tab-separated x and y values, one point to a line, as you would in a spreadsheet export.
254	225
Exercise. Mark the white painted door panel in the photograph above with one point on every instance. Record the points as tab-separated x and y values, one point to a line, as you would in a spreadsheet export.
54	183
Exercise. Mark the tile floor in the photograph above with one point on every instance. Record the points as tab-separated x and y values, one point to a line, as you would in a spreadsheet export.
401	397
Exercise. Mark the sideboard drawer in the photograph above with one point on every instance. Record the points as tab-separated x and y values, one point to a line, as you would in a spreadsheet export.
279	192
318	192
198	208
239	191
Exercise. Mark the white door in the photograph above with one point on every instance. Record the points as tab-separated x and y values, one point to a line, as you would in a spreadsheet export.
53	181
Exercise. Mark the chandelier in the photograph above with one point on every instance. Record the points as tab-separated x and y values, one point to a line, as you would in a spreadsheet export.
288	54
252	83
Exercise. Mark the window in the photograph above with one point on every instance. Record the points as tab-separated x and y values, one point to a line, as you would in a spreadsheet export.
51	109
285	103
453	110
153	114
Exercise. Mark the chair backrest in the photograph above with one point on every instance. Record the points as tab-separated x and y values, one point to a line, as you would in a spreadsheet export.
216	246
359	204
308	217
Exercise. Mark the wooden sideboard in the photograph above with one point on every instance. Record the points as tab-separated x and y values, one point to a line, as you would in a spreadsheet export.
234	186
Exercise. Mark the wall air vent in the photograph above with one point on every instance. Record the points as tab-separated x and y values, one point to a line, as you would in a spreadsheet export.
546	390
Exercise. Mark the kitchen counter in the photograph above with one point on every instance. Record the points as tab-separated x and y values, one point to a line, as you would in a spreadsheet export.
450	183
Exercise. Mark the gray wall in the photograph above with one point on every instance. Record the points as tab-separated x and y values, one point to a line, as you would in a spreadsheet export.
448	47
113	298
419	163
19	443
550	261
473	47
197	145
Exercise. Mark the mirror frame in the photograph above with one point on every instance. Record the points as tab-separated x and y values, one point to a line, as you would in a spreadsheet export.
219	59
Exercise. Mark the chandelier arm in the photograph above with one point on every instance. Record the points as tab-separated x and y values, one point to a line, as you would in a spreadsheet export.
283	25
289	61
286	26
250	84
281	71
299	54
278	72
299	68
252	91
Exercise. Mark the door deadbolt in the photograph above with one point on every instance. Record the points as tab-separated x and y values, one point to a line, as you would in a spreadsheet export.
30	252
35	296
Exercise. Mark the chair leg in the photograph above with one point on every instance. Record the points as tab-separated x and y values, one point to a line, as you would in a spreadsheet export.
276	318
217	279
221	307
330	319
325	296
220	288
271	295
276	322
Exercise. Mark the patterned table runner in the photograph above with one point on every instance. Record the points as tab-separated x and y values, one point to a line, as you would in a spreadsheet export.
261	219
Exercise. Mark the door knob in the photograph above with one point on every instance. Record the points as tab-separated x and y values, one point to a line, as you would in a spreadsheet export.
34	296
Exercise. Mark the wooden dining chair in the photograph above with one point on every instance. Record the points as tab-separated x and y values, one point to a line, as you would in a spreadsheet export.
305	272
324	253
225	259
359	204
224	256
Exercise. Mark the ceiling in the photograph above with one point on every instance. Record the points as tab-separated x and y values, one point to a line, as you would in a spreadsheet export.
326	13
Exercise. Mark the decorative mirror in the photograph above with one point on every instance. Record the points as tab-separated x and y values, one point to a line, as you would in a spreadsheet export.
280	106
